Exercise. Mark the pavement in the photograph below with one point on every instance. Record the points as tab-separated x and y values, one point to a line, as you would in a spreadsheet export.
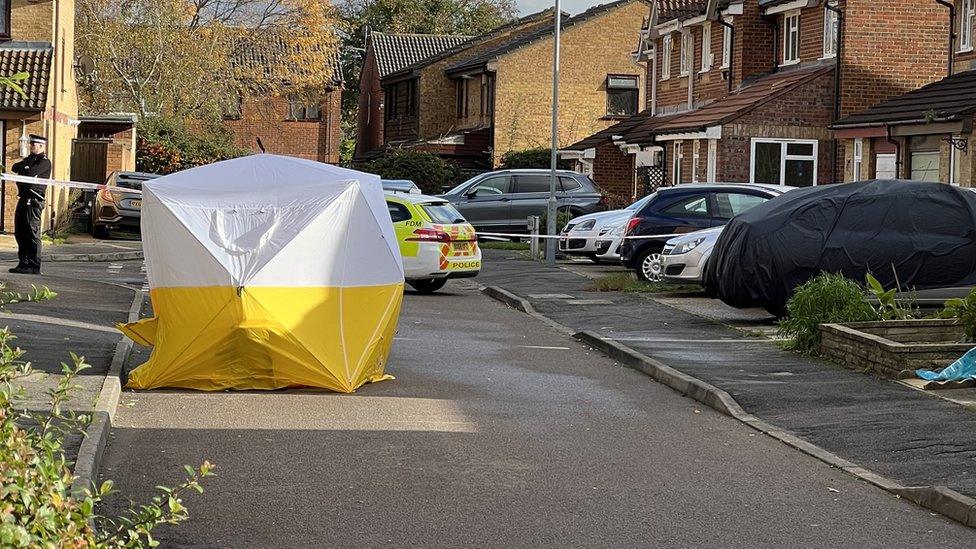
896	431
498	431
91	299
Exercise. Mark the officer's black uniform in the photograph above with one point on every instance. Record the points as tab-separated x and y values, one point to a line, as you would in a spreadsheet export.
30	204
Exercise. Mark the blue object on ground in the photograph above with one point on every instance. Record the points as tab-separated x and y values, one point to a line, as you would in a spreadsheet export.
960	370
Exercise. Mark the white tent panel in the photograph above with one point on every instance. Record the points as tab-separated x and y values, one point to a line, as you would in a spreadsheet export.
176	257
322	256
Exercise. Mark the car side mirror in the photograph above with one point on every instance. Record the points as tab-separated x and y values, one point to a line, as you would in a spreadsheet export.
471	193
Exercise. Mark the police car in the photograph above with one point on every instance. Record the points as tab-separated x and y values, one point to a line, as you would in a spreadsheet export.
435	240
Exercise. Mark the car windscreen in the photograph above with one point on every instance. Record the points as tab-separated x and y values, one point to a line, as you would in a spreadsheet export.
442	212
128	182
640	203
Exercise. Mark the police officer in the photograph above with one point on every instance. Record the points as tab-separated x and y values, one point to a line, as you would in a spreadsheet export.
30	204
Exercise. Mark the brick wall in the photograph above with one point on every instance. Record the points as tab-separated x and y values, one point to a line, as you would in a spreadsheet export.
804	113
891	48
437	94
370	113
524	81
267	119
613	172
753	55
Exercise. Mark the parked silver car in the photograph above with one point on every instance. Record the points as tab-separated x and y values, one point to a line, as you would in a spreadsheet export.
586	235
501	201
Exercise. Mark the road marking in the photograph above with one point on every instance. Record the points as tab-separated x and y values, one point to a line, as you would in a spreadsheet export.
544	347
59	322
654	340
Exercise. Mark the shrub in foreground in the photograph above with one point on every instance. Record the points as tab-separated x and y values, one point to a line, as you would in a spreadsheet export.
825	299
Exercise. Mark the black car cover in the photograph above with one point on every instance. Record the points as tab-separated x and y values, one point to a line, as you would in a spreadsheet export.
908	234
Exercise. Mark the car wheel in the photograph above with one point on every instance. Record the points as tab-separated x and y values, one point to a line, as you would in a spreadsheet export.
99	231
649	267
428	286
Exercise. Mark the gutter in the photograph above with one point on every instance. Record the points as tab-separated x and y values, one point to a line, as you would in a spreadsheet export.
889	123
952	31
837	74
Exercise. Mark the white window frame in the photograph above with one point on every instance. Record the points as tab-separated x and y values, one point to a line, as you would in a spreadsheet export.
791	28
831	31
687	53
784	157
706	56
967	17
677	158
667	47
858	159
695	158
726	44
712	160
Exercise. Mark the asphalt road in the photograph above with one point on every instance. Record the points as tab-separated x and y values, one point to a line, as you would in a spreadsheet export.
498	432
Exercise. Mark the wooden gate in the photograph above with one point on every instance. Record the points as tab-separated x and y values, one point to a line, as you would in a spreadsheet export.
89	158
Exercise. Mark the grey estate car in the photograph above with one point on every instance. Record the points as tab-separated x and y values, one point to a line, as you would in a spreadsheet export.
502	200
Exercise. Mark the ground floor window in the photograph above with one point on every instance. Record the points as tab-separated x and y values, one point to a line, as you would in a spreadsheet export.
712	159
676	159
955	160
784	162
924	158
886	166
695	157
858	158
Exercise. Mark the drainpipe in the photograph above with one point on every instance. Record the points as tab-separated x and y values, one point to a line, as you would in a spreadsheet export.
691	74
897	145
837	74
654	81
731	69
952	29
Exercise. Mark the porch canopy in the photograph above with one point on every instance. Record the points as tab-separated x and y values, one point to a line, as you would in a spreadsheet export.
945	106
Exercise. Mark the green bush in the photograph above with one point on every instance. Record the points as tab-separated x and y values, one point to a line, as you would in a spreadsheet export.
166	146
563	217
37	505
532	158
964	309
825	299
430	172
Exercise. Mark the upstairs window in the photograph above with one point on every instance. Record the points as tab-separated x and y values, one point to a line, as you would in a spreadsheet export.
706	56
622	95
401	100
232	106
831	27
726	45
666	47
687	52
299	109
5	19
967	15
791	38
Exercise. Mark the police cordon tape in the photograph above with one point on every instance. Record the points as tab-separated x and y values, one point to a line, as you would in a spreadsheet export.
97	187
571	237
59	183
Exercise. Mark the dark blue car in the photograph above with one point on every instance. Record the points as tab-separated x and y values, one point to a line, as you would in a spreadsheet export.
684	209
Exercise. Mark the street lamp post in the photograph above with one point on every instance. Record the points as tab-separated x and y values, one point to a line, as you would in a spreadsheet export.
551	243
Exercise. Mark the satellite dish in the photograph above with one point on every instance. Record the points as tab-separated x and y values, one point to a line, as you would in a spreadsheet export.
85	68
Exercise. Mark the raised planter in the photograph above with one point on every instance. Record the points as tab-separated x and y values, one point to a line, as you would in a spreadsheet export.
894	348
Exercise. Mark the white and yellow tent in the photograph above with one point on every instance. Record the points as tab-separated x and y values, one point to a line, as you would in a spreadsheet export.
267	272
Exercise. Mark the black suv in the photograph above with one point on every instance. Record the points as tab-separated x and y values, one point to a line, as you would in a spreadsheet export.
503	200
683	209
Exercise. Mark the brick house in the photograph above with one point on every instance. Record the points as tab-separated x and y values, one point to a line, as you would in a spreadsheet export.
492	94
755	104
37	37
305	127
922	133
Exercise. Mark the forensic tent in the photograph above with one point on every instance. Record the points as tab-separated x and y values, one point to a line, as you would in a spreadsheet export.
267	272
908	234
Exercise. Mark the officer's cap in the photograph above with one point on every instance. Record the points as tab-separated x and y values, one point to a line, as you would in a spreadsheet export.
38	139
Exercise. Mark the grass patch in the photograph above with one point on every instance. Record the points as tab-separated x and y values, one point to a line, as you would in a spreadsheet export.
503	245
53	240
627	282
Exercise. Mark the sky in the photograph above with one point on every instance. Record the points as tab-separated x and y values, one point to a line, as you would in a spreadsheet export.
572	6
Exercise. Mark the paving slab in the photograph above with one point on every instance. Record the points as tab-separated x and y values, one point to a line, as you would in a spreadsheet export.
883	426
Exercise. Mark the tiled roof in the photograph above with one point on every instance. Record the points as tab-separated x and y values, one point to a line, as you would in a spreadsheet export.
269	52
741	102
606	134
522	41
946	99
395	52
678	9
531	18
33	58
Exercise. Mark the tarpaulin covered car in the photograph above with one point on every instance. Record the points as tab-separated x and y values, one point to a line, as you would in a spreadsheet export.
268	272
912	235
